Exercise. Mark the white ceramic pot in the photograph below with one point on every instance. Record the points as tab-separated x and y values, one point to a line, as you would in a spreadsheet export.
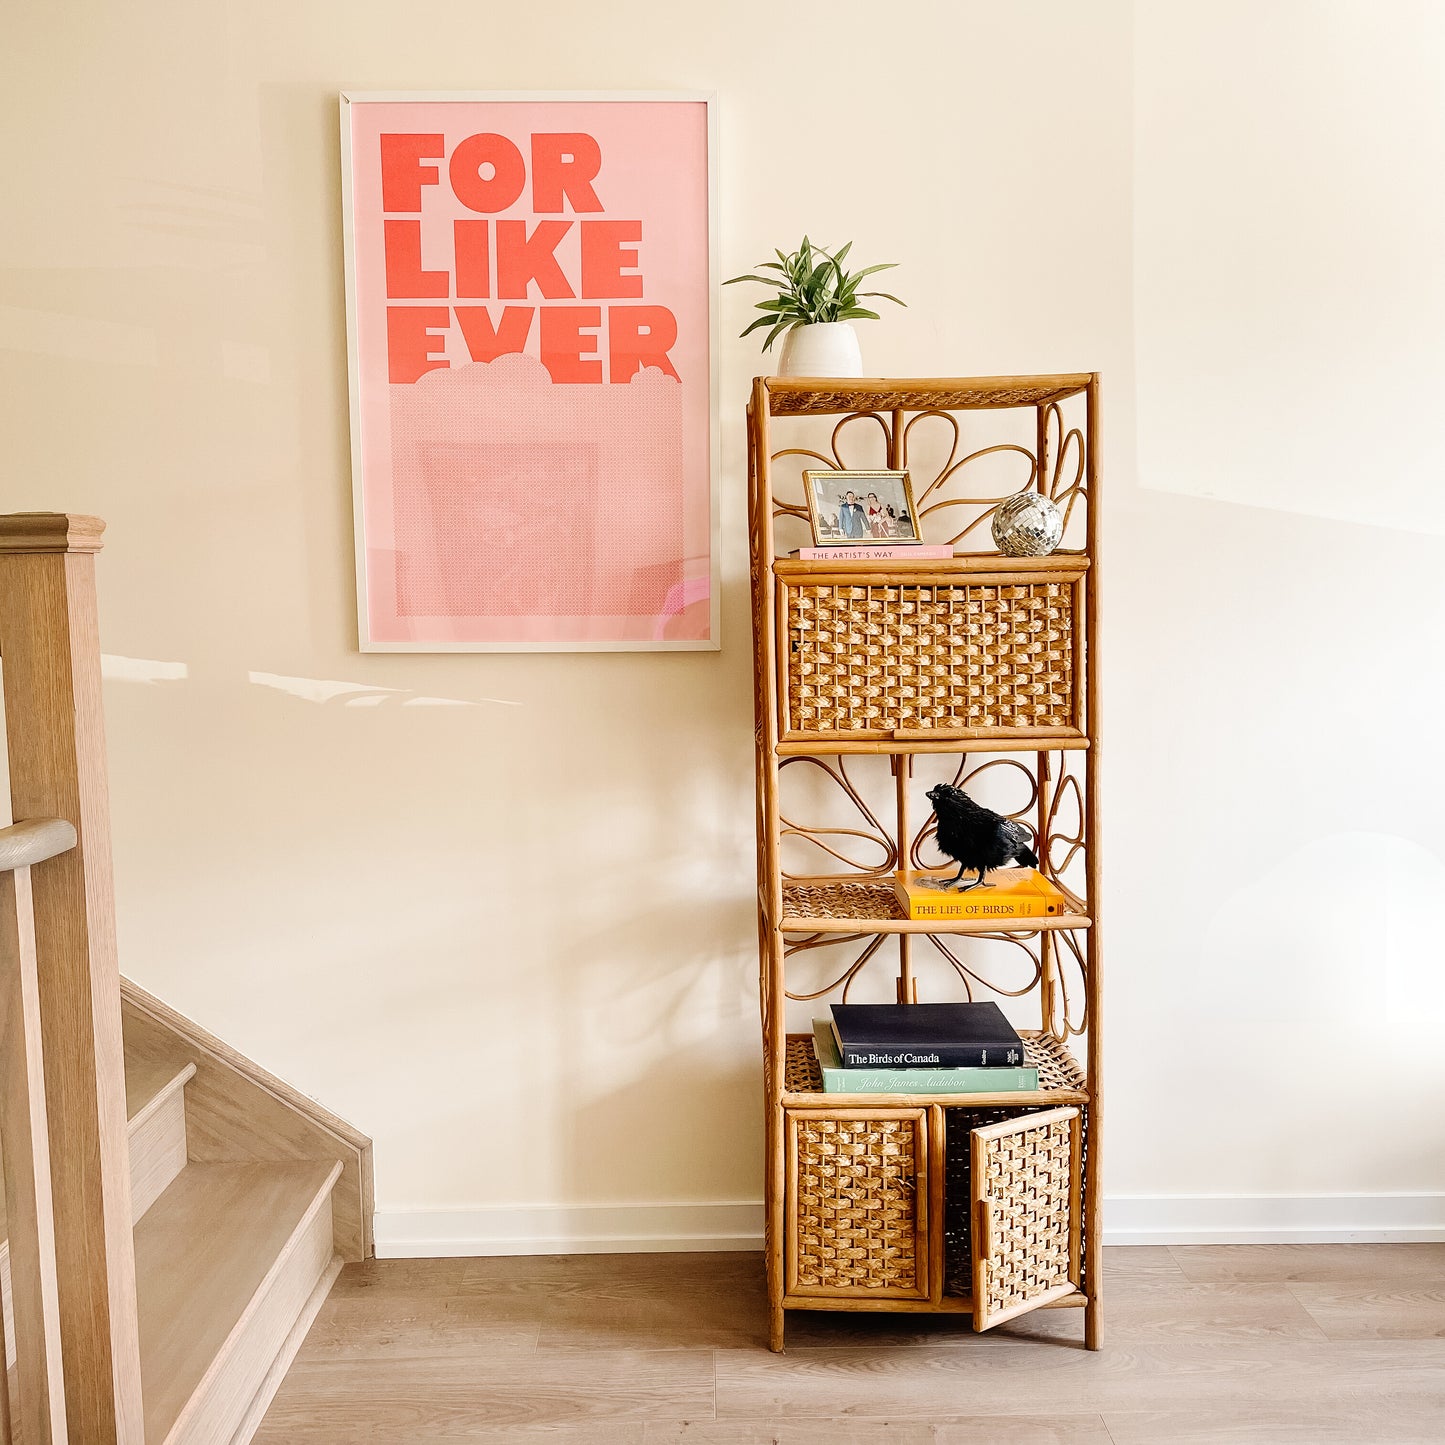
826	348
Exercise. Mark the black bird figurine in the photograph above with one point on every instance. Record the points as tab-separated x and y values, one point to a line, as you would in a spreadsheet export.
976	838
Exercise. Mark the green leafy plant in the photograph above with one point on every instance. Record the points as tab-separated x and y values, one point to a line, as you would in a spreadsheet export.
812	287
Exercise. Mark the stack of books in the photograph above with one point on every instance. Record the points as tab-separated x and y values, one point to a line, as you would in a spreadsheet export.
921	1048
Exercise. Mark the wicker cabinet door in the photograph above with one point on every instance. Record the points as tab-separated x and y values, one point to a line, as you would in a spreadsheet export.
990	656
1025	1184
858	1203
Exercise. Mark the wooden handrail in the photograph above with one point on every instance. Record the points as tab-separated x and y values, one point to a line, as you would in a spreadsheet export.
62	1084
25	844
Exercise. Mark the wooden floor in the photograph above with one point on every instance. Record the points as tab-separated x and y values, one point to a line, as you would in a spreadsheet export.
1305	1344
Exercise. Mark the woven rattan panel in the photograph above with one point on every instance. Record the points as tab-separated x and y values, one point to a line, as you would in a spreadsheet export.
957	1191
1058	1069
842	900
957	1205
964	655
957	1194
1028	1182
856	1206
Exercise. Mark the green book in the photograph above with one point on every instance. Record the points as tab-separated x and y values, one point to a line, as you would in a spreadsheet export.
838	1080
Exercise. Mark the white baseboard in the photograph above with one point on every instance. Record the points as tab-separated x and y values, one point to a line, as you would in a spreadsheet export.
1274	1219
1128	1219
564	1229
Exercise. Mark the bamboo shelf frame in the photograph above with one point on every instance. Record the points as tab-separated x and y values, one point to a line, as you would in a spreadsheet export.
988	660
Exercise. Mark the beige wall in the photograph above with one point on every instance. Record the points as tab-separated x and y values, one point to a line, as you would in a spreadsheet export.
356	884
1290	304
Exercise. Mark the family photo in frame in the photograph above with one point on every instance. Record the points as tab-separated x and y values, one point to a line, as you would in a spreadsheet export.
861	508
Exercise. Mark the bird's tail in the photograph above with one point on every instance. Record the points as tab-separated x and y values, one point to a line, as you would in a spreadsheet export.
1028	858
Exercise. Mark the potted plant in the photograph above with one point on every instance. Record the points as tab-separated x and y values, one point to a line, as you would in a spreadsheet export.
815	302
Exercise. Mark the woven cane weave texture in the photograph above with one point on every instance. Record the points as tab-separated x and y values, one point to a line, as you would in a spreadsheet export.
1058	1069
957	1192
947	657
801	1074
1028	1185
856	1203
842	900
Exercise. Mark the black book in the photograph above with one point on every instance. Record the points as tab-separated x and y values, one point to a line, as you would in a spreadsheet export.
925	1036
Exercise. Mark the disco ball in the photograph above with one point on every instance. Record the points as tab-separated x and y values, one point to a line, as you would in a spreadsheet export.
1027	525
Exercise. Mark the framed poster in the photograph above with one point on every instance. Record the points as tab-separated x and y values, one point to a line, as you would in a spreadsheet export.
531	292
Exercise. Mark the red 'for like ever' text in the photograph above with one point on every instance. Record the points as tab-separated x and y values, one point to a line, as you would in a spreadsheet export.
591	325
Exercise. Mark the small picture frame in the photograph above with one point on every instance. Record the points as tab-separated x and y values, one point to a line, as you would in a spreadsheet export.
861	509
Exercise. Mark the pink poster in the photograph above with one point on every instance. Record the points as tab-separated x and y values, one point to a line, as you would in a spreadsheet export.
530	290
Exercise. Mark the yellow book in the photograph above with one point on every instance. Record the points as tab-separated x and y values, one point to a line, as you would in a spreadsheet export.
1011	893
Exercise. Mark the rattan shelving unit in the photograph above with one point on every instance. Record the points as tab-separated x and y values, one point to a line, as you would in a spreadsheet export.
873	680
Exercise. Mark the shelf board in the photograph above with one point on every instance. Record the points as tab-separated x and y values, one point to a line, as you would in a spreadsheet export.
821	905
961	1304
1023	741
814	395
1058	1069
1070	563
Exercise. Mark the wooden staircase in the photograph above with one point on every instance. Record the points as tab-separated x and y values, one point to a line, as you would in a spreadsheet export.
243	1197
233	1259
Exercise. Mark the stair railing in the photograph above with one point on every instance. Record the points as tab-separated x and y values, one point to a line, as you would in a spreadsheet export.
62	1073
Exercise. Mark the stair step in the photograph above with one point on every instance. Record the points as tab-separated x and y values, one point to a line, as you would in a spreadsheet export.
227	1260
155	1106
155	1109
155	1100
145	1082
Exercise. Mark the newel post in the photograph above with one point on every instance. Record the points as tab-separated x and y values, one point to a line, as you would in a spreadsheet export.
50	655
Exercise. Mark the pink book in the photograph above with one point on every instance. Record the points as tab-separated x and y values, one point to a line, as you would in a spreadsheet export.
884	552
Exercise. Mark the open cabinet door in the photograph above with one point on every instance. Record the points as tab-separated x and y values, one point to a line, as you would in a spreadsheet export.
1026	1201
